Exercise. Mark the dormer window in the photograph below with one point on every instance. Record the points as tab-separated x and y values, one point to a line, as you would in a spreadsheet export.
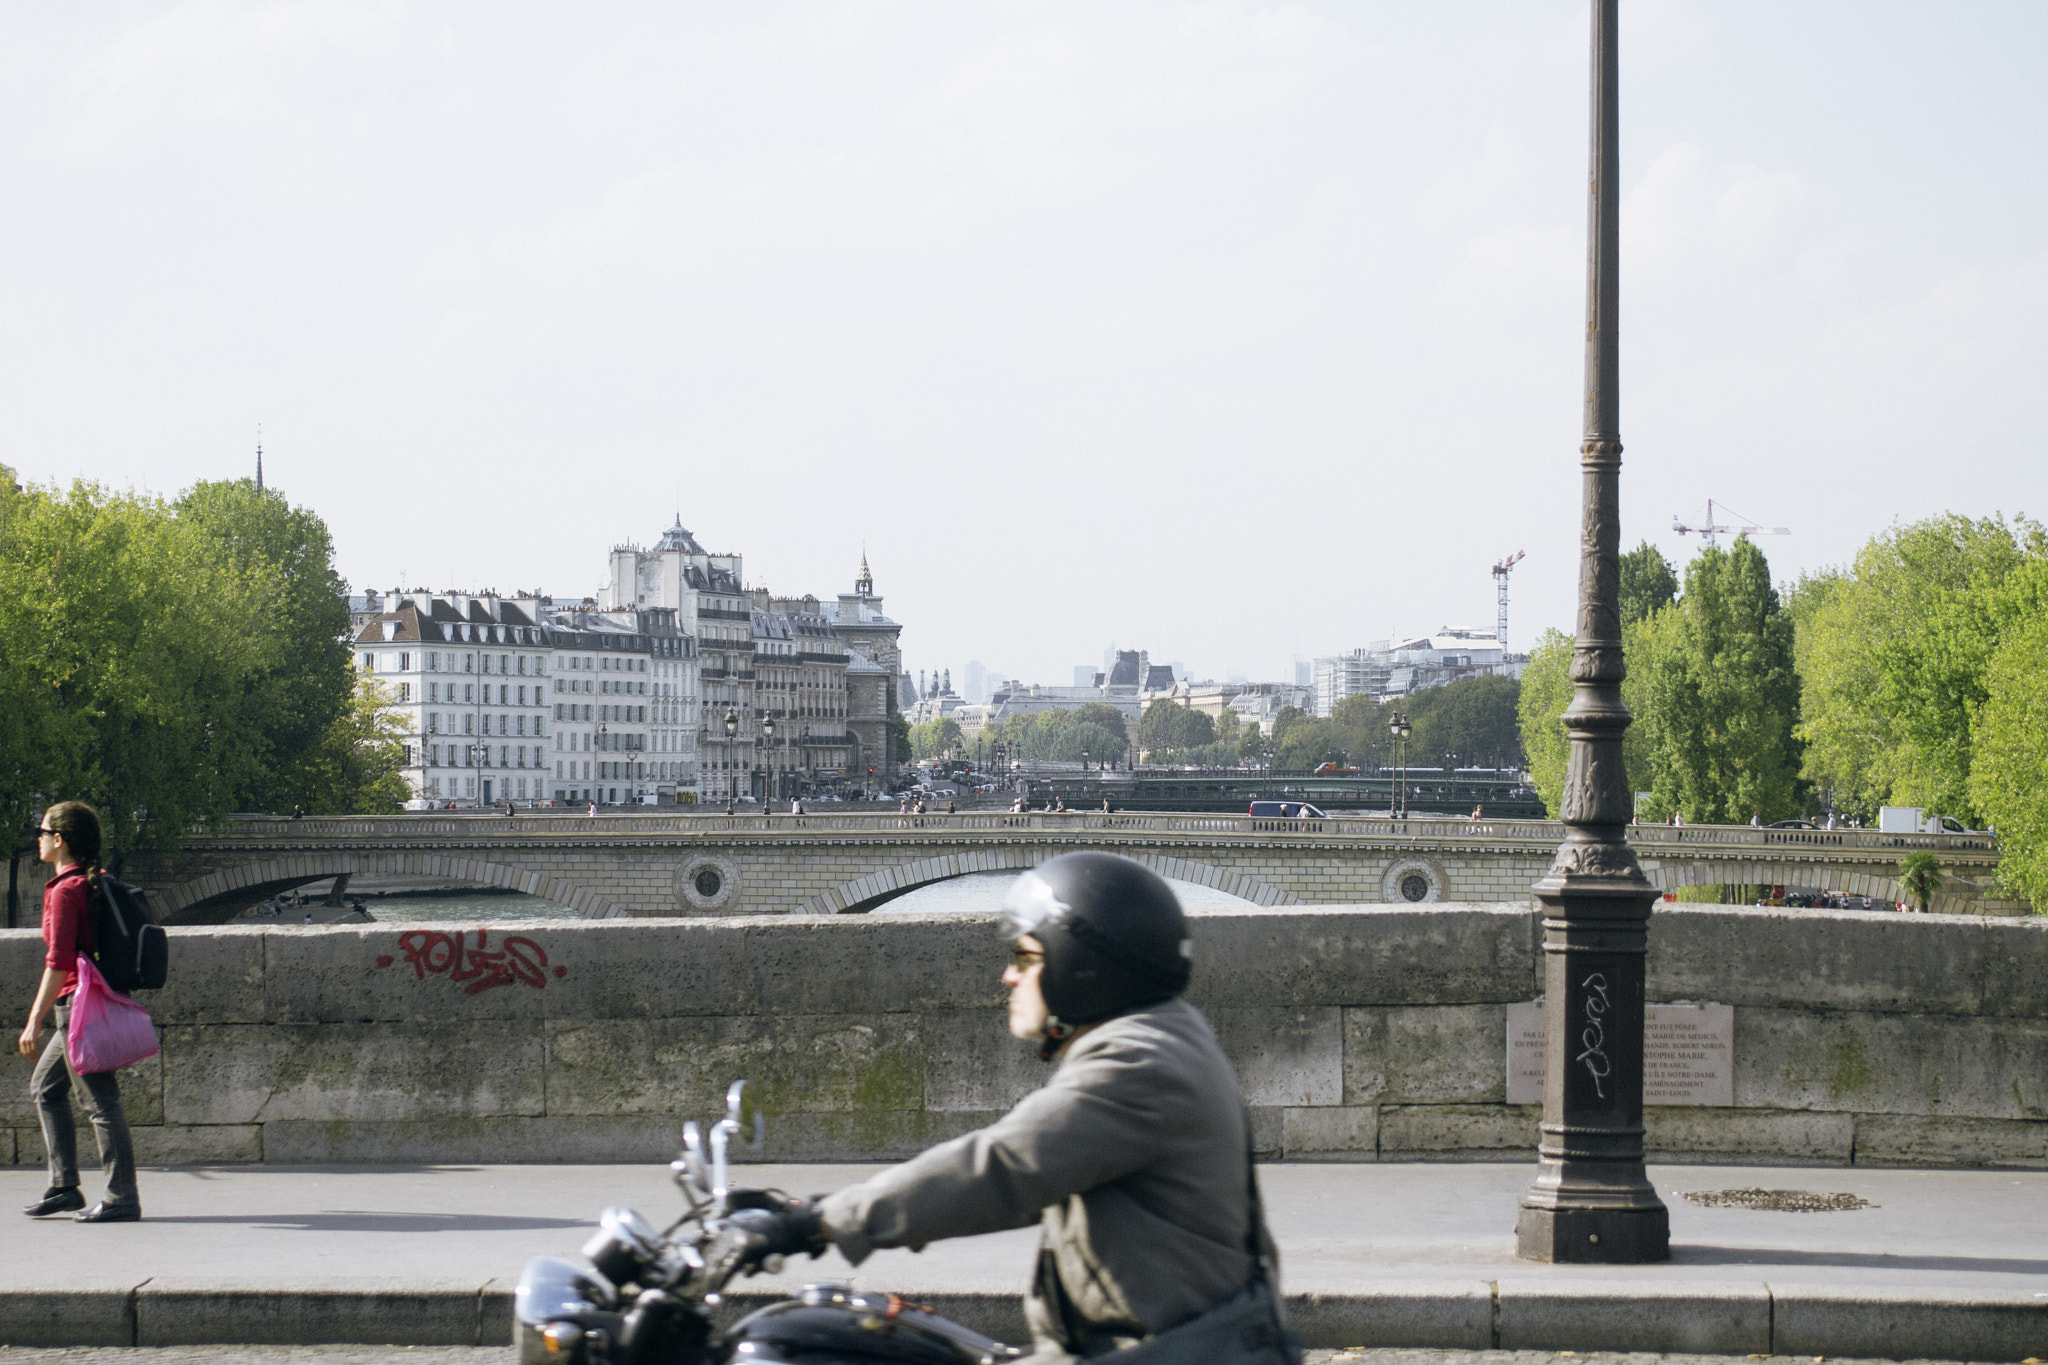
391	630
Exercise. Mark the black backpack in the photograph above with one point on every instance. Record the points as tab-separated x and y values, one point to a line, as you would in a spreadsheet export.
134	952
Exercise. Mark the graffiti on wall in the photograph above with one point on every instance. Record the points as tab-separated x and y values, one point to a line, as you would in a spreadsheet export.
479	967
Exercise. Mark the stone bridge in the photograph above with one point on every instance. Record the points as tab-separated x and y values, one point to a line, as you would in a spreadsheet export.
670	864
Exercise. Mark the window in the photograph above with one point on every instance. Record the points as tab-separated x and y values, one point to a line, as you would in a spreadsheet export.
469	663
504	663
522	665
369	663
469	725
433	722
469	692
501	724
433	661
405	691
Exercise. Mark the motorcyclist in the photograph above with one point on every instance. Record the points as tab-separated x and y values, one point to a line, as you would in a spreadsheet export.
1134	1156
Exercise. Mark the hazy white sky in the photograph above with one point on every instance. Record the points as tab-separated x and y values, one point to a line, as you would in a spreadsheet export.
1236	332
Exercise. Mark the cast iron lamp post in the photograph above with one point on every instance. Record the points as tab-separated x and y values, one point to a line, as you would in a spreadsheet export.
768	734
1592	1200
1398	727
732	729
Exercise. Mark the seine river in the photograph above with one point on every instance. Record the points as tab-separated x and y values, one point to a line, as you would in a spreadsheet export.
981	891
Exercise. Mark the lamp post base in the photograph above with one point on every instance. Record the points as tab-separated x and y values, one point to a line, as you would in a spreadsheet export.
1610	1236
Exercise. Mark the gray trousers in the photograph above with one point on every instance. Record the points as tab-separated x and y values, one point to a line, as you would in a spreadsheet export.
51	1088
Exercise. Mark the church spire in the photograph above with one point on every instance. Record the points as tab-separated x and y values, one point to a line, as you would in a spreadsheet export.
865	584
259	457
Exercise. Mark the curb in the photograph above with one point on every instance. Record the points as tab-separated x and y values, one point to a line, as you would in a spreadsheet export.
1734	1318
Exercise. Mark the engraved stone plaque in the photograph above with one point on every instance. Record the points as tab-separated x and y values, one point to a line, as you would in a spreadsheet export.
1688	1054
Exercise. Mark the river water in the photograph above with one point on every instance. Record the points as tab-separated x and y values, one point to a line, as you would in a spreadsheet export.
977	891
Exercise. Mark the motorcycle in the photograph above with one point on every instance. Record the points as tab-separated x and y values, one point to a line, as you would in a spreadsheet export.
647	1297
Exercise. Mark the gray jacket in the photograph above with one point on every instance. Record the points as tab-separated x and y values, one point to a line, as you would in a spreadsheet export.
1132	1157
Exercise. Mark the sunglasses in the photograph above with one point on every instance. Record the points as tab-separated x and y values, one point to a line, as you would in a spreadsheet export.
1023	959
51	832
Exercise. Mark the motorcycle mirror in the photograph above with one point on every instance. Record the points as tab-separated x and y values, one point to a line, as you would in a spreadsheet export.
689	1169
721	1136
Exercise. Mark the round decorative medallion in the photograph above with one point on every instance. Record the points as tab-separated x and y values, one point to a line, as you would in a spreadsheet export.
706	883
1413	881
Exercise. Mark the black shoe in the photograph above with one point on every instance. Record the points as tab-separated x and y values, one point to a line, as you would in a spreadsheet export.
103	1212
57	1199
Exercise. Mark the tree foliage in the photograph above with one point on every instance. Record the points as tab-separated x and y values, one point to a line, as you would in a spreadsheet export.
935	738
1895	653
170	663
1168	727
1648	583
1919	878
2009	772
1063	735
1719	695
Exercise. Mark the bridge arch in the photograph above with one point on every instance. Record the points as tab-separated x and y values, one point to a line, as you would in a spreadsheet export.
222	894
1673	875
878	888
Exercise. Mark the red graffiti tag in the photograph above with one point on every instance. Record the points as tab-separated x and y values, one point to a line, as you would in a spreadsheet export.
516	959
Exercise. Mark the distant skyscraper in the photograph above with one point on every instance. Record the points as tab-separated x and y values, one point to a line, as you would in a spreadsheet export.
977	681
1304	672
1084	675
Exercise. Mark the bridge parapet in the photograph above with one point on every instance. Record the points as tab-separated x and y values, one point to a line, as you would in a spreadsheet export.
669	863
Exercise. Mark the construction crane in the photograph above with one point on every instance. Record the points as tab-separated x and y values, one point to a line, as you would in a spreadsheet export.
1711	530
1500	579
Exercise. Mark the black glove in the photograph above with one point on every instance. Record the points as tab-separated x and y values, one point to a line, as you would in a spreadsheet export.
791	1226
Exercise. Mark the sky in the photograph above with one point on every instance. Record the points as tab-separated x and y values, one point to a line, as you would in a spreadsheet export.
1239	333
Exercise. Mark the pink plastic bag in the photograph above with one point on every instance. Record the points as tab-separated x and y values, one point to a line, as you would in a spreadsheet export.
108	1030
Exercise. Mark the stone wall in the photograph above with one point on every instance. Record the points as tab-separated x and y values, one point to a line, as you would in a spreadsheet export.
1361	1033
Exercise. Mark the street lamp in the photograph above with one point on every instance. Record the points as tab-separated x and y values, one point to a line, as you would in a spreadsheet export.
1397	800
1591	1199
602	731
1084	760
768	734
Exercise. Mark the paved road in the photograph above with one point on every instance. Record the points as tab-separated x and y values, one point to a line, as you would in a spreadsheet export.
451	1355
1337	1225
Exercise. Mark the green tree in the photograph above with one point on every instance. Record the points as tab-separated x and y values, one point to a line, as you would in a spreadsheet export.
129	648
358	765
1648	583
1919	878
1110	721
2009	774
1719	694
1894	653
1307	744
1473	718
302	685
935	738
1546	692
1167	727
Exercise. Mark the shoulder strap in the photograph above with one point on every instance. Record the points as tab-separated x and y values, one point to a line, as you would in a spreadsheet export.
1261	1272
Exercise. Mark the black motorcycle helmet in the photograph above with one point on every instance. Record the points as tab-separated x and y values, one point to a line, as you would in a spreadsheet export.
1113	932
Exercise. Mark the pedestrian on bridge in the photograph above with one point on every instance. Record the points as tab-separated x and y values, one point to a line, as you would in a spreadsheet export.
69	840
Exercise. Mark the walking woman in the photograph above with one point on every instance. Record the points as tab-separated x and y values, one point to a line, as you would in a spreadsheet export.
69	840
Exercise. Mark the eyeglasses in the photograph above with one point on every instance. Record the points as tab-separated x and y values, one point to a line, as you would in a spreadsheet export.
51	832
1024	959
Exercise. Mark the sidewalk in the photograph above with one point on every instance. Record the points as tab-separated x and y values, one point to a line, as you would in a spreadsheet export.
1950	1264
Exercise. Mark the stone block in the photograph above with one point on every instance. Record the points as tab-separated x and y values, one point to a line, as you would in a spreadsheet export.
10	1147
1907	1324
1634	1315
1421	1054
789	964
859	1135
141	1096
174	1312
95	1314
255	1073
210	1144
1749	1136
1989	1067
972	1064
1358	955
1269	1132
1284	1056
216	977
598	1138
791	1063
1914	1140
1457	1132
1336	1132
1396	1314
1849	960
410	972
